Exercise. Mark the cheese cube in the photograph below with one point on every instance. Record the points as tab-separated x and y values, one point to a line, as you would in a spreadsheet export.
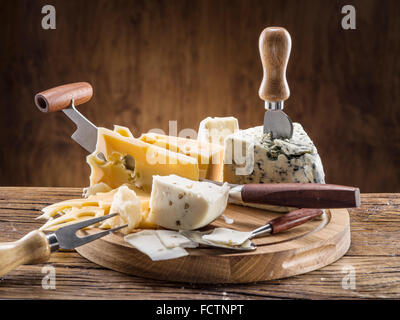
181	204
215	130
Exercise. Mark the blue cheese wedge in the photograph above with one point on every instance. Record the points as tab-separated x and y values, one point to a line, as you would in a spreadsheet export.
253	157
181	204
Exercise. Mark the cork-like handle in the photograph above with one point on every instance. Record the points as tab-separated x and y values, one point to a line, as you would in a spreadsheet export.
275	45
302	195
31	249
60	97
293	219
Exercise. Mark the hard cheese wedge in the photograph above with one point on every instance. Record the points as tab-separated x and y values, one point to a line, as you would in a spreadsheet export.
181	204
149	160
209	156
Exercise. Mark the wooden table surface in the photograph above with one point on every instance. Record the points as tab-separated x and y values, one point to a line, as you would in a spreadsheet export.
369	270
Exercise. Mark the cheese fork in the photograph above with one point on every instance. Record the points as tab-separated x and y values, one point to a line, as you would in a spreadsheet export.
274	226
36	246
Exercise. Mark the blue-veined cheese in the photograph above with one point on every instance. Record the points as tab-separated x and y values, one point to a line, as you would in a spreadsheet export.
253	157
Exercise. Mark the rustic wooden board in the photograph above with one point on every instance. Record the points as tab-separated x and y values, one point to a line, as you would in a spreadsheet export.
299	250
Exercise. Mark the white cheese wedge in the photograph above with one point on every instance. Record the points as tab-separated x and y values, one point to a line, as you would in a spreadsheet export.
226	236
215	130
149	243
181	204
172	239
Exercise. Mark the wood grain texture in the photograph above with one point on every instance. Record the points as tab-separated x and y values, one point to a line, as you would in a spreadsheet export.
374	255
154	61
275	45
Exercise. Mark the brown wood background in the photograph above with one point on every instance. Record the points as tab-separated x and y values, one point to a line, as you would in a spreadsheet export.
154	61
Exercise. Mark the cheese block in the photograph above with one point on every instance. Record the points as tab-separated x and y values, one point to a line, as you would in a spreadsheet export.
118	146
181	204
209	156
215	130
253	157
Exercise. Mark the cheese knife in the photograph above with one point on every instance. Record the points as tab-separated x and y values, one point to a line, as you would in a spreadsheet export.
275	45
274	226
36	246
298	195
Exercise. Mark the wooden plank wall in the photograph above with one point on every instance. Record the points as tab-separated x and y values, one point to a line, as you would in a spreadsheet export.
154	61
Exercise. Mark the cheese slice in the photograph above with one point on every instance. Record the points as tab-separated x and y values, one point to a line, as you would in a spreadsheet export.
209	156
131	203
227	236
182	204
172	239
149	160
149	243
215	130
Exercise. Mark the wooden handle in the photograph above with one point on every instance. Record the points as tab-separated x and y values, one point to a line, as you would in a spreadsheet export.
60	97
274	44
292	219
32	248
302	195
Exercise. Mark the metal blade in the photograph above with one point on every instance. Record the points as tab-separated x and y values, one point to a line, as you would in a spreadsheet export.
67	238
86	133
278	124
197	236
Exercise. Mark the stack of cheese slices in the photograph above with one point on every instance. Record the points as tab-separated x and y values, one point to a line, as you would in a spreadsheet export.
153	181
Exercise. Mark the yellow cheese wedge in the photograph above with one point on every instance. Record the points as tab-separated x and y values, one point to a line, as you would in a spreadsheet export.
209	156
149	160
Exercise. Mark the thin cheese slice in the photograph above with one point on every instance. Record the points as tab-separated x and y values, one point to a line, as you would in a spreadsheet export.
131	204
149	160
227	236
149	243
172	239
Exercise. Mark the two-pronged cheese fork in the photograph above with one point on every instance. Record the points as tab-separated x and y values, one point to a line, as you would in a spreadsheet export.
36	246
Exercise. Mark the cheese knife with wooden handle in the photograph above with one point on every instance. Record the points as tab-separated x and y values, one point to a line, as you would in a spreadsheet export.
275	45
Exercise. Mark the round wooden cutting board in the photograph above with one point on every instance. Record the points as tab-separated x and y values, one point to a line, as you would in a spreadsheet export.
304	248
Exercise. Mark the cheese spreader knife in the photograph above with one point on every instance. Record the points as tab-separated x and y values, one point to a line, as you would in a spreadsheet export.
274	45
36	246
299	195
274	226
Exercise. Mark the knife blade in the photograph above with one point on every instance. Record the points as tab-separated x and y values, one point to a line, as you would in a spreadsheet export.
274	45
